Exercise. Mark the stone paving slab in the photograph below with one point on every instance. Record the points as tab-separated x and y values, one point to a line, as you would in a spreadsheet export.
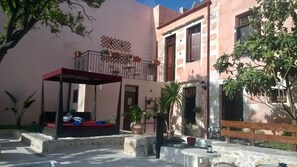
16	154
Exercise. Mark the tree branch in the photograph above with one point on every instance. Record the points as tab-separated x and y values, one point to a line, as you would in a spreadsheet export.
70	3
11	23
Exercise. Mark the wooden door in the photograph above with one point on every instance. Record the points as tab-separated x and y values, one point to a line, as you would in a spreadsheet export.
131	98
170	58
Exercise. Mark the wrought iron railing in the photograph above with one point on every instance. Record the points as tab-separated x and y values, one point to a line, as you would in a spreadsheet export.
120	65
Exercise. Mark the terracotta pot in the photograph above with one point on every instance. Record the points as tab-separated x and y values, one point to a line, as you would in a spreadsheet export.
156	62
136	58
137	128
191	141
77	53
114	55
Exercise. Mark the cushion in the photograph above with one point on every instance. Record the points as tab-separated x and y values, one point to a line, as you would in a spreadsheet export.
100	122
66	119
79	119
76	123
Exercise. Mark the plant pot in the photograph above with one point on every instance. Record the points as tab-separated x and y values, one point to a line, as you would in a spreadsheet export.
137	128
191	141
136	58
156	62
114	55
77	53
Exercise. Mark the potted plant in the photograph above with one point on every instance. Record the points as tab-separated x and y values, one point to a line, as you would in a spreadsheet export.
190	130
171	97
19	113
136	114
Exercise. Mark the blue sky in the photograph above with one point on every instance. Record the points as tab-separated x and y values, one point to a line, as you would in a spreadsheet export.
172	4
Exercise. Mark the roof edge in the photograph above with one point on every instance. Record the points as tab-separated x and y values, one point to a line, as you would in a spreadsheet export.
198	7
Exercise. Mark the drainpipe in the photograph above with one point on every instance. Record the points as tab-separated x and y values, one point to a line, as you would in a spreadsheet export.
208	64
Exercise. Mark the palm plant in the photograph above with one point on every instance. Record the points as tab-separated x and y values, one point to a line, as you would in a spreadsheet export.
171	96
19	113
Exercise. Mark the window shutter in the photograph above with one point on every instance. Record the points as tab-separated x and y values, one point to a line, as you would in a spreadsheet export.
196	45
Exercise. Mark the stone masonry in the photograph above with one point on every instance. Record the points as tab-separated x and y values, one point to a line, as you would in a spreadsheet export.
41	143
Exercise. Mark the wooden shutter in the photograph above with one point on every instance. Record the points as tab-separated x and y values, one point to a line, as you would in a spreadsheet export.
196	45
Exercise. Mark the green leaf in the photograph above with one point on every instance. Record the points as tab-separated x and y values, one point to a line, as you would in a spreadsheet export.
28	104
12	98
29	98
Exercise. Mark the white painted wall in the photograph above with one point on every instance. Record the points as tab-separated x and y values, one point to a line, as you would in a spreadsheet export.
40	52
107	97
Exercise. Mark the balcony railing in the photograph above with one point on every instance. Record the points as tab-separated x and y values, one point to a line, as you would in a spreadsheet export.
120	65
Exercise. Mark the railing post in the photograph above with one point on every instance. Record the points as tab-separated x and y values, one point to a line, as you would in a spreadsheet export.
227	137
252	142
159	133
294	146
293	134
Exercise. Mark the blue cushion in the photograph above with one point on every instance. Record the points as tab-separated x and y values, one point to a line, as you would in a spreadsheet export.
100	122
76	123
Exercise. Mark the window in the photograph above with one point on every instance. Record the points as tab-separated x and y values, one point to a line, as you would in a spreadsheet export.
243	28
75	96
193	43
275	97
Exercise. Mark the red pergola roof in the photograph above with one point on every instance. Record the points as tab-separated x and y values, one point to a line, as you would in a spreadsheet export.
80	77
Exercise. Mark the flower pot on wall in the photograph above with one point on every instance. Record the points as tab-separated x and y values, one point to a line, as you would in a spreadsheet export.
137	128
77	53
191	141
114	55
136	58
156	62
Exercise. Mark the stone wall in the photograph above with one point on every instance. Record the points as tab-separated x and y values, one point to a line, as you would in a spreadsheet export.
14	133
250	156
139	146
41	143
236	154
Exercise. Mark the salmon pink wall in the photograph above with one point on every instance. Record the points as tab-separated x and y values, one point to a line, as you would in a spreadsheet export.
40	52
253	111
189	73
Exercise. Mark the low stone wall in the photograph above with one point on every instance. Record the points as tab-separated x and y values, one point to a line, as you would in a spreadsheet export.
250	156
139	146
14	133
236	154
174	155
41	143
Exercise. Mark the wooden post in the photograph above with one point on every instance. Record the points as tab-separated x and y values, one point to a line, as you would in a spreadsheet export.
227	137
294	146
252	142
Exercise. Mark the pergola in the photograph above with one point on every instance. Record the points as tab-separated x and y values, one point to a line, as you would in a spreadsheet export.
64	75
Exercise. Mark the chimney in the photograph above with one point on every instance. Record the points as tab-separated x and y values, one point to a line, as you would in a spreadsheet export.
182	10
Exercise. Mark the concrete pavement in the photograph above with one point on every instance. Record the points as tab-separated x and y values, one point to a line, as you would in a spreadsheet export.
16	154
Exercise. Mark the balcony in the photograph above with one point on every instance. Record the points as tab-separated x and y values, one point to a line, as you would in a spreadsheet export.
124	65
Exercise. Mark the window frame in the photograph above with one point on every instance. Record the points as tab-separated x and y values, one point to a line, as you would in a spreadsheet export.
75	96
191	30
274	97
238	25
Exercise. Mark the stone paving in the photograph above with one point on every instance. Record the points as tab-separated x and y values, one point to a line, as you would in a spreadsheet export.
16	154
